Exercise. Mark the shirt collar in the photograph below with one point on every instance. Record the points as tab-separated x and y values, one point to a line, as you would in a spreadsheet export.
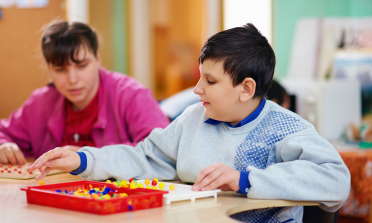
248	119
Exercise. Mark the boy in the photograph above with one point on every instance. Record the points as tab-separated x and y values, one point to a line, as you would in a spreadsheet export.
234	140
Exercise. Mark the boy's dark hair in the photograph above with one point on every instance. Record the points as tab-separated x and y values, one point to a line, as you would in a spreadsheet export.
61	41
246	53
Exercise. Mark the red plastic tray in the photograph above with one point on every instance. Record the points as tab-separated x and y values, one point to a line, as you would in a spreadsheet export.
137	199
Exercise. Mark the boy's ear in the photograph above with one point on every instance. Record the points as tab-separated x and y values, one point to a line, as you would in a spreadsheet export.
248	89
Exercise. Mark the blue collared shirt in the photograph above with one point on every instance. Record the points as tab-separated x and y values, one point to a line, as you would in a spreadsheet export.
247	120
244	184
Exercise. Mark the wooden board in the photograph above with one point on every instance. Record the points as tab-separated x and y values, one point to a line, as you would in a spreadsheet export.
20	172
183	192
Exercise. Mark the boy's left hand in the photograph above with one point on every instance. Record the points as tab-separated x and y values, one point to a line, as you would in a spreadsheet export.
217	175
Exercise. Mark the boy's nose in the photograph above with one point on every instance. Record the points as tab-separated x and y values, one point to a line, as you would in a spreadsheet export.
197	89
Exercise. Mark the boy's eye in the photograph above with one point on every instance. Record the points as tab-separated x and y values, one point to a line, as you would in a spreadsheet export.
210	82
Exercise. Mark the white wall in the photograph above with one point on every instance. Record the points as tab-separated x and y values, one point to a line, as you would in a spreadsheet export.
140	39
258	12
77	11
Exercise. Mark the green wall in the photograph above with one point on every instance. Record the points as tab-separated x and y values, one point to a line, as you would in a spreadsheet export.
120	36
109	19
287	12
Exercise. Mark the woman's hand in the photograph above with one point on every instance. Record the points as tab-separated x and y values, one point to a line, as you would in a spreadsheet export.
10	153
56	159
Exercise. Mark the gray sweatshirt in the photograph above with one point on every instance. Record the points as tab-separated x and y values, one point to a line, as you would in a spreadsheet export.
286	157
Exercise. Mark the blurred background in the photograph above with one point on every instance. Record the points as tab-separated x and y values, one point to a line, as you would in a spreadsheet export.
322	48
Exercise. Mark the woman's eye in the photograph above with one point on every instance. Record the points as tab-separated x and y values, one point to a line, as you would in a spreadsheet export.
82	65
59	69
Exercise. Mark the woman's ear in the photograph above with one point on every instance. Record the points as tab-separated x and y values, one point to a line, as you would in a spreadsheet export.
248	86
49	68
98	57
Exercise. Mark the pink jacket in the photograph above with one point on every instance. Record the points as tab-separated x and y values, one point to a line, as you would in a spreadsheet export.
127	114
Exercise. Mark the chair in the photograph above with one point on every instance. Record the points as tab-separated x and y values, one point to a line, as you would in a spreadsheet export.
314	214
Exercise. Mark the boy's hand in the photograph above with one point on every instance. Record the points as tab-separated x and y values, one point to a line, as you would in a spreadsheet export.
10	153
219	176
71	148
58	159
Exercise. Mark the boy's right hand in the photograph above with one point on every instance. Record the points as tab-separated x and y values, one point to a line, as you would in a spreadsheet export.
71	148
10	153
56	159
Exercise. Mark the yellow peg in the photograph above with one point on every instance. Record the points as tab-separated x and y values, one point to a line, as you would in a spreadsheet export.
133	185
147	181
123	183
172	187
123	195
161	185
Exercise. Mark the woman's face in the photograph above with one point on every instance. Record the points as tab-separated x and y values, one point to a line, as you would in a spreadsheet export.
78	82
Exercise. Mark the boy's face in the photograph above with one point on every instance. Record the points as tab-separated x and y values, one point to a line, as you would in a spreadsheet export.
216	91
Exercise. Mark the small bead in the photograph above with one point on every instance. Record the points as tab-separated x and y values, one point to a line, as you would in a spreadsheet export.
133	185
124	183
172	187
154	183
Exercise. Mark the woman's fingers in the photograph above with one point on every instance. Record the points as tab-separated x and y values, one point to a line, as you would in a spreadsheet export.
19	155
10	155
3	157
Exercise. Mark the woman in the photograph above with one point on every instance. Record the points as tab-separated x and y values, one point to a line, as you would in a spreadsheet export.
86	105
